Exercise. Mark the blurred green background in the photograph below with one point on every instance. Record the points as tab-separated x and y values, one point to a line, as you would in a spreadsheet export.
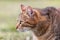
9	11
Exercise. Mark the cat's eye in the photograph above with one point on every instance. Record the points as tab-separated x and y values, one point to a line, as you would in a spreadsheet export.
21	22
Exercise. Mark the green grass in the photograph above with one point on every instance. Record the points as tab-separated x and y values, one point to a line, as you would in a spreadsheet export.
12	36
9	11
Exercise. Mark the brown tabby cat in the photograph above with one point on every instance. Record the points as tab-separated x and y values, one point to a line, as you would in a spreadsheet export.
41	21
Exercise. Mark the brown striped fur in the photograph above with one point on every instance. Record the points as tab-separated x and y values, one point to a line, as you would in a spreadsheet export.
40	21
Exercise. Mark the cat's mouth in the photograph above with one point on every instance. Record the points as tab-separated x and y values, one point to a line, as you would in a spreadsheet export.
25	29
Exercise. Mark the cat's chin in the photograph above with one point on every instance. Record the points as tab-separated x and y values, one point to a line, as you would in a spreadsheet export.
23	30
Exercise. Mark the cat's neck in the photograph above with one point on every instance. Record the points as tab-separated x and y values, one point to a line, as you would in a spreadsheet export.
47	36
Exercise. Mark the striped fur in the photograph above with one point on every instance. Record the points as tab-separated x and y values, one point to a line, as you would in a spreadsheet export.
44	23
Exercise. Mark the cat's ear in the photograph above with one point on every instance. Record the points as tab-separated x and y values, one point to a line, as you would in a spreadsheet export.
30	11
23	7
29	7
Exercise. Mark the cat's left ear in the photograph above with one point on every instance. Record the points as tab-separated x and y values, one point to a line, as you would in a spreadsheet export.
23	7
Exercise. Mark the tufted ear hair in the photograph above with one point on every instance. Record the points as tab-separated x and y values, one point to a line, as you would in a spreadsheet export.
23	7
30	11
